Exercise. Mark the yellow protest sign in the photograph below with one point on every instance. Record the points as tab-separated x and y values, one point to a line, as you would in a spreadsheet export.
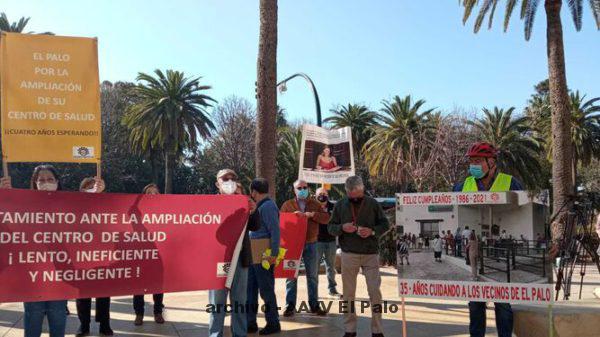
50	99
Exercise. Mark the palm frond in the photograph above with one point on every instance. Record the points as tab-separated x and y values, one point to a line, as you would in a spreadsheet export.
530	12
468	5
595	5
510	7
576	7
485	7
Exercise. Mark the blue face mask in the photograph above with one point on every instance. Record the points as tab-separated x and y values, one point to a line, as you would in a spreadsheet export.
302	194
476	171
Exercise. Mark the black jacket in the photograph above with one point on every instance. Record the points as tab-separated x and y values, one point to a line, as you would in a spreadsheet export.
246	252
369	215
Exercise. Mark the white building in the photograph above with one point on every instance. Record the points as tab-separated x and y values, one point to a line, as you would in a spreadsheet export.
433	213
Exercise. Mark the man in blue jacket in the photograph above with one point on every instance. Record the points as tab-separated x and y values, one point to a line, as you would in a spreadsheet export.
258	277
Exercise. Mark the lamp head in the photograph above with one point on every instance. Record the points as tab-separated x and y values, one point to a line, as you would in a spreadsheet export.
282	87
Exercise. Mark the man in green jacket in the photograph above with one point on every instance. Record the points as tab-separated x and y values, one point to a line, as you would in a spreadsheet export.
358	221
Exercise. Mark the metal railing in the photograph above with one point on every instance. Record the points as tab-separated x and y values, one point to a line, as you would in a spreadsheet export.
487	254
513	256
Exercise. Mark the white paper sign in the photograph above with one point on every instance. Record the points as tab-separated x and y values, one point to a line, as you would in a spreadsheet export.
326	156
525	293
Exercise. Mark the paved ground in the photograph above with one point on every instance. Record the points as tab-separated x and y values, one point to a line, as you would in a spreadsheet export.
423	266
455	268
186	316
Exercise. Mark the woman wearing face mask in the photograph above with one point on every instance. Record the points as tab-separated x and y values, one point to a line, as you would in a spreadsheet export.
84	305
138	300
44	178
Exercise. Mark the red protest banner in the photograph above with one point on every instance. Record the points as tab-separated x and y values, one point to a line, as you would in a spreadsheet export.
293	237
63	245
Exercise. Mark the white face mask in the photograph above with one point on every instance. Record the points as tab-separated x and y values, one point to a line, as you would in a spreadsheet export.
228	187
50	187
91	190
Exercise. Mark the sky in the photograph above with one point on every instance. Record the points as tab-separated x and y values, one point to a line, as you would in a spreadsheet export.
355	51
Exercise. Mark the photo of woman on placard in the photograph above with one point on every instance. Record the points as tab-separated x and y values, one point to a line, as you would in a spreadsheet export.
326	162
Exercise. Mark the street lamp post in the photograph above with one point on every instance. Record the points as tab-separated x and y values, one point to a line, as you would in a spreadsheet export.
283	87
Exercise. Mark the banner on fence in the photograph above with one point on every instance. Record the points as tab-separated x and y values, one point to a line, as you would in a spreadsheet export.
61	245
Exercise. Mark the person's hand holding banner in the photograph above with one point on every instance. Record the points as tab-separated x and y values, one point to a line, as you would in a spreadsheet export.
99	186
5	182
349	227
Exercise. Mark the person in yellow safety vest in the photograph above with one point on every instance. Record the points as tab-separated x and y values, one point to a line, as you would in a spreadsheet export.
484	176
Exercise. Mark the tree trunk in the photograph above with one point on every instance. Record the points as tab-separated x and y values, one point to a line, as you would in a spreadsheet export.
562	157
168	172
574	167
154	167
266	131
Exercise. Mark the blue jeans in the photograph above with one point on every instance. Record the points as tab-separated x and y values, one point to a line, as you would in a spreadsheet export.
35	313
477	315
458	252
263	281
328	250
237	300
311	265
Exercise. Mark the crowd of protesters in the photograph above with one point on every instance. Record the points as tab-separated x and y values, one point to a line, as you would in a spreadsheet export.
356	222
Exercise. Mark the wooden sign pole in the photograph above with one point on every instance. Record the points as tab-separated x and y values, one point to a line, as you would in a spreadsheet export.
4	167
99	169
403	319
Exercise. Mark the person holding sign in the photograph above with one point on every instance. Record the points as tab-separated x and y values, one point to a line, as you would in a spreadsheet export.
260	279
45	178
484	176
84	305
359	221
312	210
227	185
138	300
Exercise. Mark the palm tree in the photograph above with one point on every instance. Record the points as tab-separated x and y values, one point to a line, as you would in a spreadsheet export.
266	93
288	160
518	148
169	115
400	121
359	118
15	27
586	130
559	97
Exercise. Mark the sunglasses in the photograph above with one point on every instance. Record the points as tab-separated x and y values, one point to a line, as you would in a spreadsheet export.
302	188
228	179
